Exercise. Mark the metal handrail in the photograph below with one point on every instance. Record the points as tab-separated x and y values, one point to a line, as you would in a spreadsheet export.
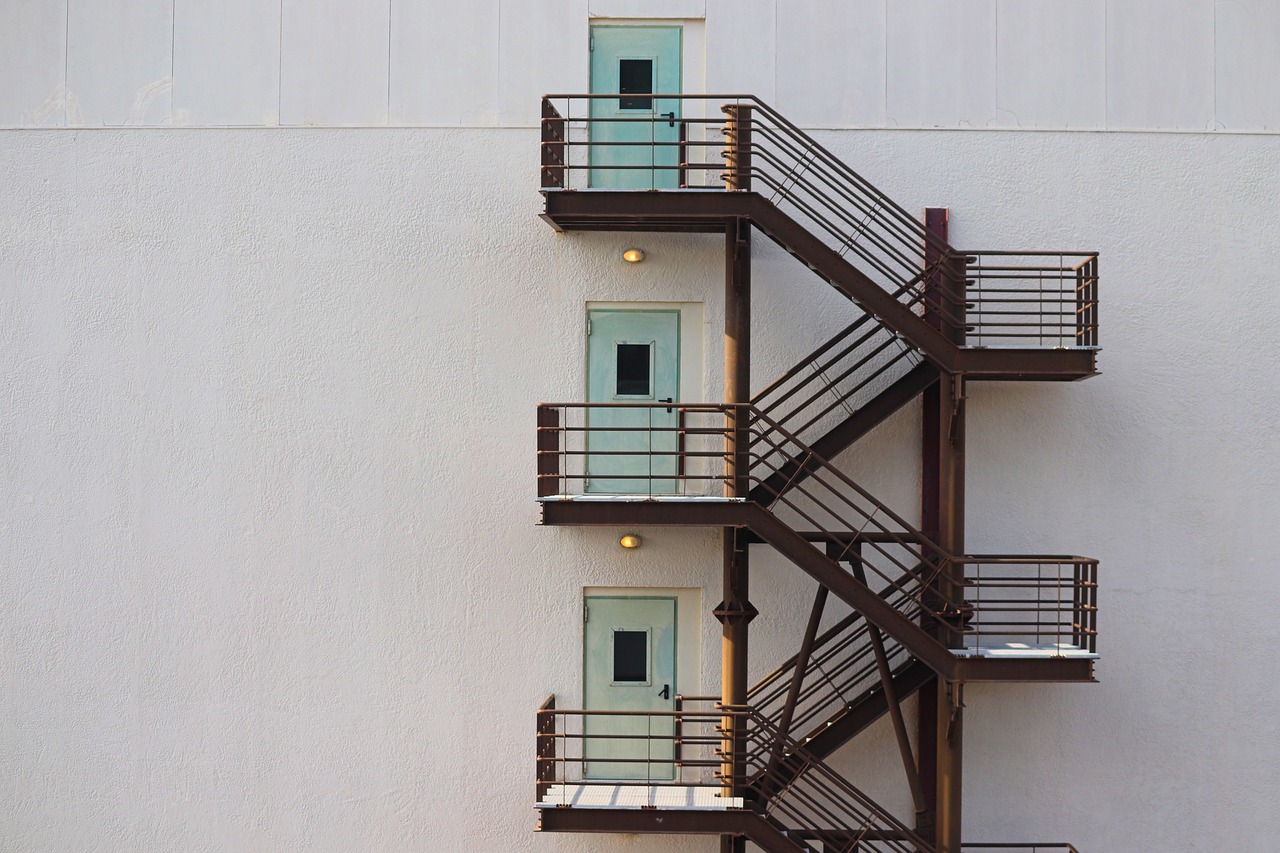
965	597
799	792
842	207
841	668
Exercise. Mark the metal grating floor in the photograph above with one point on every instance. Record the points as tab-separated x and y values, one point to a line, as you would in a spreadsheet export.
631	796
1026	650
642	498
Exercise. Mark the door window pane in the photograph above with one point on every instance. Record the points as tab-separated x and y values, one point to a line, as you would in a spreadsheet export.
635	77
634	362
630	656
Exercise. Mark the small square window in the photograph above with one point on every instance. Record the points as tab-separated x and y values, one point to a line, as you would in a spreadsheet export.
634	362
635	77
630	657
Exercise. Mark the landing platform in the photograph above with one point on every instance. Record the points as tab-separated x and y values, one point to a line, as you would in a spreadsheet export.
622	499
632	796
647	510
1026	651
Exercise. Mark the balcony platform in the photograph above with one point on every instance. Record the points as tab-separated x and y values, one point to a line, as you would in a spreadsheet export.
624	795
642	498
652	510
1027	651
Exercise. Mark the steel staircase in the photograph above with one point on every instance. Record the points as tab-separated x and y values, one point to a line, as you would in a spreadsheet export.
925	310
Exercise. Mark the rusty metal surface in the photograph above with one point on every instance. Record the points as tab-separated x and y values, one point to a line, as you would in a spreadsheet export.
965	600
935	317
712	212
1045	298
789	792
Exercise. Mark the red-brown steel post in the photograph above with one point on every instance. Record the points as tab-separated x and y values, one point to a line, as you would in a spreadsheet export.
548	451
734	610
737	137
942	518
554	147
546	747
682	154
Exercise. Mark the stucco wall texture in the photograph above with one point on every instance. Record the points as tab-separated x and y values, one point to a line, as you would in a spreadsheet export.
1195	65
271	577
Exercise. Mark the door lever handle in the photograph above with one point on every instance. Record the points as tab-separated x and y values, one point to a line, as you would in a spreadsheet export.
665	693
667	400
670	117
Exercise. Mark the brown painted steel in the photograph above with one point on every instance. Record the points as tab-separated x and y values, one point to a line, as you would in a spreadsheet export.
548	451
796	548
735	610
546	753
855	426
554	150
738	146
864	710
670	822
966	298
800	663
708	211
942	510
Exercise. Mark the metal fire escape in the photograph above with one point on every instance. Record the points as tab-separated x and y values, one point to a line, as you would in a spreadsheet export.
926	617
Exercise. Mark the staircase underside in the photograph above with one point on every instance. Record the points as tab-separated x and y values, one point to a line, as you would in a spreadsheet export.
711	211
859	714
1006	664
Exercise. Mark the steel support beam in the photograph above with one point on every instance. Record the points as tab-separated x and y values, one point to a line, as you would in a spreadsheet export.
712	212
939	731
797	677
735	611
892	703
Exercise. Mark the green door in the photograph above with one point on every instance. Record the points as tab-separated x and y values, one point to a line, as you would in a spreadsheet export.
633	356
629	664
635	62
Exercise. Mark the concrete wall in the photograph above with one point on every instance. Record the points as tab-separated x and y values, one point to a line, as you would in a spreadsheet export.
270	575
1198	65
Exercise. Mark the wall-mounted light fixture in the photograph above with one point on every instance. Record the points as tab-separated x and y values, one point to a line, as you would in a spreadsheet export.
633	255
630	541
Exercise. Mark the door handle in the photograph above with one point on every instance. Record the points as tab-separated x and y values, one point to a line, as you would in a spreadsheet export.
670	117
667	400
665	693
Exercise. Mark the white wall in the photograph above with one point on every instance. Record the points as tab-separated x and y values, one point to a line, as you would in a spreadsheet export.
1195	65
271	577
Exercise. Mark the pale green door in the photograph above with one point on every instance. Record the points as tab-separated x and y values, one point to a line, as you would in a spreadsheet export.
629	664
633	356
635	62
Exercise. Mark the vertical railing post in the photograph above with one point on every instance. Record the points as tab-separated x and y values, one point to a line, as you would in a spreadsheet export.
554	146
737	136
682	154
548	452
546	749
1092	612
953	296
1087	303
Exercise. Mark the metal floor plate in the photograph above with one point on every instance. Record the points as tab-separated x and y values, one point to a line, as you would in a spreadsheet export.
630	796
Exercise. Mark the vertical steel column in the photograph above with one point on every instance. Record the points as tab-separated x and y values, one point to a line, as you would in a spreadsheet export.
735	611
548	452
737	154
942	518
